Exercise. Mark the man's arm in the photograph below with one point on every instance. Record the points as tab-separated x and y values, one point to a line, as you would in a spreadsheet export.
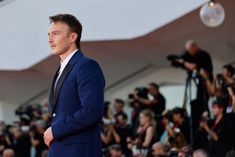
147	102
211	133
187	65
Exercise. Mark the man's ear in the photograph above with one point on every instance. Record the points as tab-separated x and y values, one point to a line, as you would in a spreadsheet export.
74	37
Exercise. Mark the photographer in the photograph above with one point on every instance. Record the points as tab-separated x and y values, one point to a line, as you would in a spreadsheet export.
36	134
221	82
195	60
218	131
109	135
155	101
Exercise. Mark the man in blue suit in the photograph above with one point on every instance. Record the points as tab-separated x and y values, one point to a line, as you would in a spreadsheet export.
77	93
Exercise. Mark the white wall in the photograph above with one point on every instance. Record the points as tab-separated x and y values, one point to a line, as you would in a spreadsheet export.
7	112
172	87
24	23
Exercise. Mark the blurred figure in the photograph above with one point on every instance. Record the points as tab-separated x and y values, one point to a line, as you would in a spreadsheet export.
116	151
201	153
195	60
155	101
218	88
44	153
185	151
118	107
123	130
22	143
109	135
145	134
37	140
158	150
181	123
218	131
166	125
8	153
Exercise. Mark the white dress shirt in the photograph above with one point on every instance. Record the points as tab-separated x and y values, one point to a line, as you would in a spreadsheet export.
63	65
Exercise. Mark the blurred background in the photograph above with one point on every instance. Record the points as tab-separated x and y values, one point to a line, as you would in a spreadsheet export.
130	39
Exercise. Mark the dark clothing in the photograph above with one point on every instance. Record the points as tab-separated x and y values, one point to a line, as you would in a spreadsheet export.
223	145
141	138
41	146
202	59
124	132
185	129
76	103
160	106
220	147
22	146
201	140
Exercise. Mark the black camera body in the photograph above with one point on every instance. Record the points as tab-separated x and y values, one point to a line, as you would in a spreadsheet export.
173	59
220	79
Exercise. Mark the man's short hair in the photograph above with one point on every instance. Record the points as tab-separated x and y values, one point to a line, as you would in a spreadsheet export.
72	22
201	152
190	43
230	69
116	147
120	101
154	85
124	115
9	153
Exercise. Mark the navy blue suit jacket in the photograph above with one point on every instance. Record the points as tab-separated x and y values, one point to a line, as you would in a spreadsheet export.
76	105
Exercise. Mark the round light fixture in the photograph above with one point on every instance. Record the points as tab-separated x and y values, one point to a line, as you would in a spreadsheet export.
212	14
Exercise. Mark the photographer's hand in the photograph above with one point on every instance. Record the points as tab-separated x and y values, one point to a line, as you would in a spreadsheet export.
204	74
181	61
203	124
212	134
187	65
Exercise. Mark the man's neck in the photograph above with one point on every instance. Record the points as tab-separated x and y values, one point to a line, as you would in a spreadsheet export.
66	54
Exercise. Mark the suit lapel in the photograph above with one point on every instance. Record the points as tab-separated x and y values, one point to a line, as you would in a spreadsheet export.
54	93
59	85
52	88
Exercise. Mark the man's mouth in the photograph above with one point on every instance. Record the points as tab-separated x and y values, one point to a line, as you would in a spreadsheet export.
53	46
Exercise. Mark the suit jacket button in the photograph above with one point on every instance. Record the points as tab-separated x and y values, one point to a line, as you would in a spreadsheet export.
53	115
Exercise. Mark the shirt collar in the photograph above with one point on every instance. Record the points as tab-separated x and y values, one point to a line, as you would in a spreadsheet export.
66	60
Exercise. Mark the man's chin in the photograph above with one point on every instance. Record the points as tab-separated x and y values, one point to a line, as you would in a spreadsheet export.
53	52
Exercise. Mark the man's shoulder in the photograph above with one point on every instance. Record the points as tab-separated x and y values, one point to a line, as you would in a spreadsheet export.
203	53
85	60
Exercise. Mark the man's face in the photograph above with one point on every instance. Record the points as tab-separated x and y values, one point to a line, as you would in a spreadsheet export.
115	153
216	110
192	48
157	150
59	38
152	90
121	120
226	73
118	106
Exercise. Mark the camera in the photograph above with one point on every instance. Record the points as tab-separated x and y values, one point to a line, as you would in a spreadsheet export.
204	119
131	96
173	59
220	79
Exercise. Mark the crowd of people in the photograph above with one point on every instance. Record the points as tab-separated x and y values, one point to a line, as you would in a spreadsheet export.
155	131
24	138
151	130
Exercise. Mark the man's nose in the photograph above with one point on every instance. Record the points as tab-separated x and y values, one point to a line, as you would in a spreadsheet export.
50	40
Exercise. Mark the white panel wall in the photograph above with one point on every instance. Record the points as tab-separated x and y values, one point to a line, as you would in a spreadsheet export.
7	112
24	23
